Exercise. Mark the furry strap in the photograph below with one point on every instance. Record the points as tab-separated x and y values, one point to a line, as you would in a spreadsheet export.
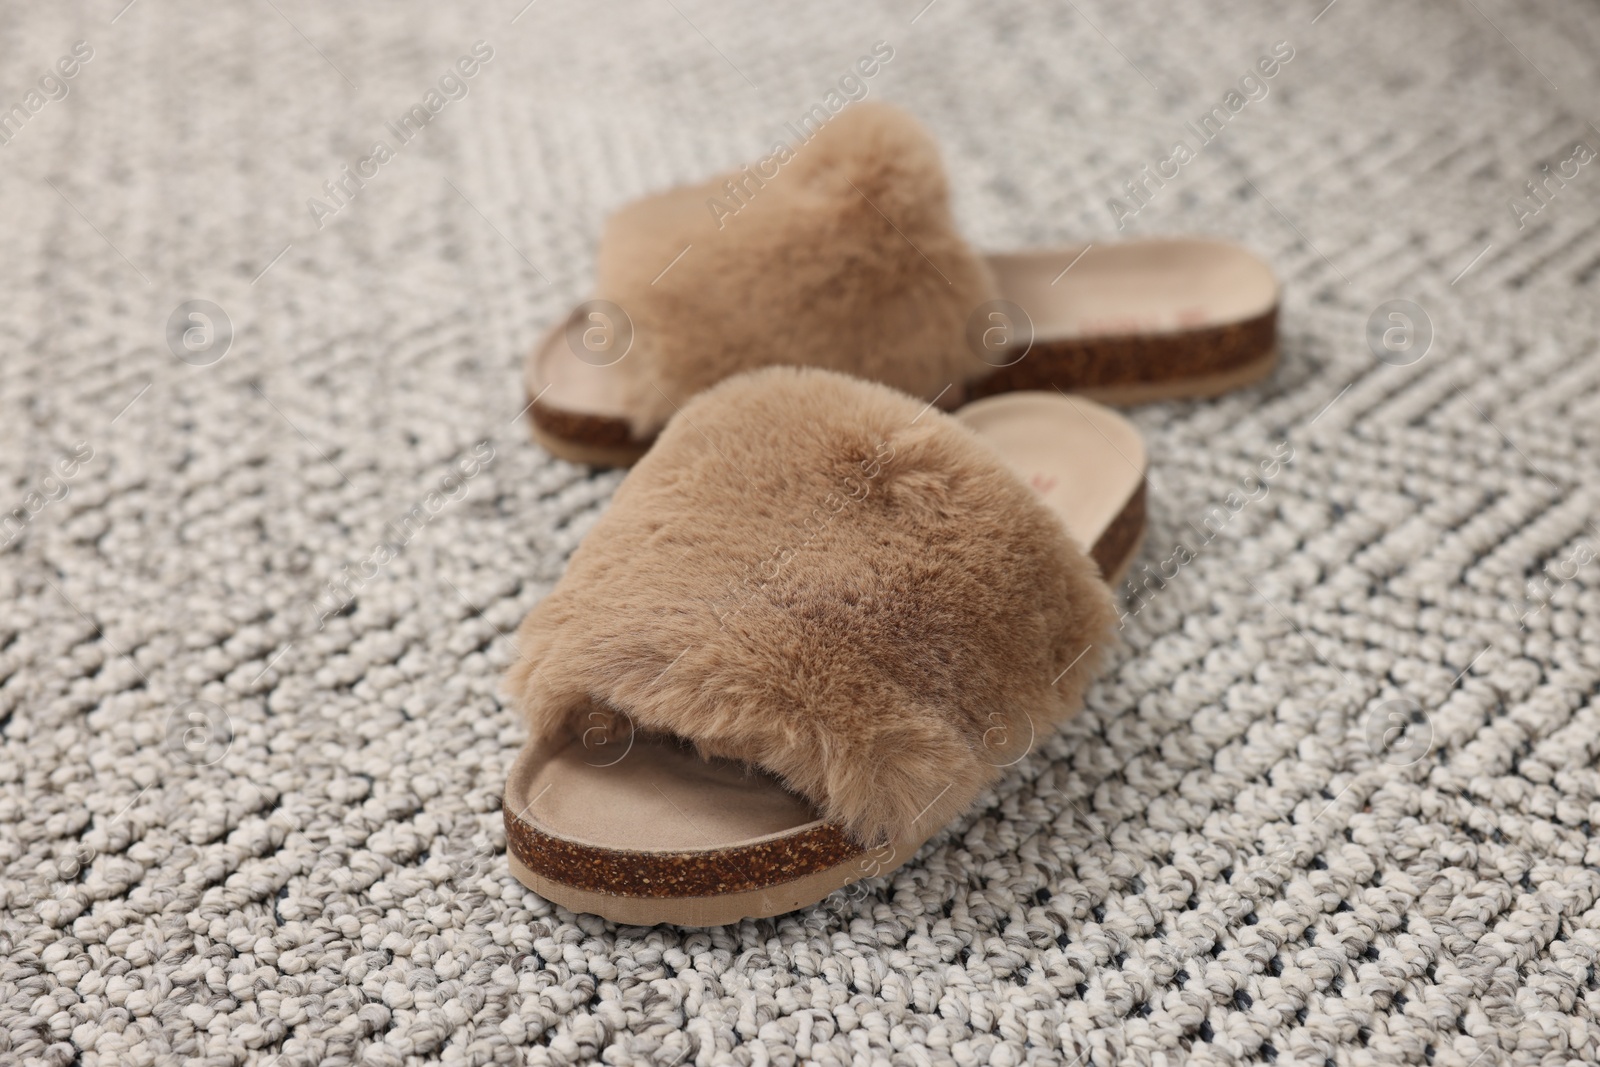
838	252
817	576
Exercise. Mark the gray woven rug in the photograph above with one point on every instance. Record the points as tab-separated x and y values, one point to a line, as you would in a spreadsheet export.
1333	803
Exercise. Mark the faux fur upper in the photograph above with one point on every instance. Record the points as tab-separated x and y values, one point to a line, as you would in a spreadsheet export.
847	257
813	575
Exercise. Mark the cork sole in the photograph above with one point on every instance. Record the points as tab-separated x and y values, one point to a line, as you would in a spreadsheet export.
1129	323
1200	387
576	451
641	830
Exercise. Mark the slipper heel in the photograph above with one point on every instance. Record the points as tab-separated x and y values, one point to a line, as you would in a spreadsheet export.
1136	322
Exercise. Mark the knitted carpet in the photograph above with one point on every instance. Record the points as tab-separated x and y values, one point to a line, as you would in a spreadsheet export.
1332	803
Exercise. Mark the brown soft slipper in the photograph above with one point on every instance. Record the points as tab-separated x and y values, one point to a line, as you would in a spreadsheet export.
842	253
817	621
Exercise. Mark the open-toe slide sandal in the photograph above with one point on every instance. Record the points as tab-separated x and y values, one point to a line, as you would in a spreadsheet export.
819	618
842	253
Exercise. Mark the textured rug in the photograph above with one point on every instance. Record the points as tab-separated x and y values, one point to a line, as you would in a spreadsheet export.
271	513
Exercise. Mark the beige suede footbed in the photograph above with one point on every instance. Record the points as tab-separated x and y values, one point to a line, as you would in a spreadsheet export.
645	831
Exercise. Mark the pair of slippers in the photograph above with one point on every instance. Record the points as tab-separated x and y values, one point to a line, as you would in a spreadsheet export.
823	612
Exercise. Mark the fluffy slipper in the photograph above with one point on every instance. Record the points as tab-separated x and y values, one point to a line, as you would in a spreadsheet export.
818	619
843	254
